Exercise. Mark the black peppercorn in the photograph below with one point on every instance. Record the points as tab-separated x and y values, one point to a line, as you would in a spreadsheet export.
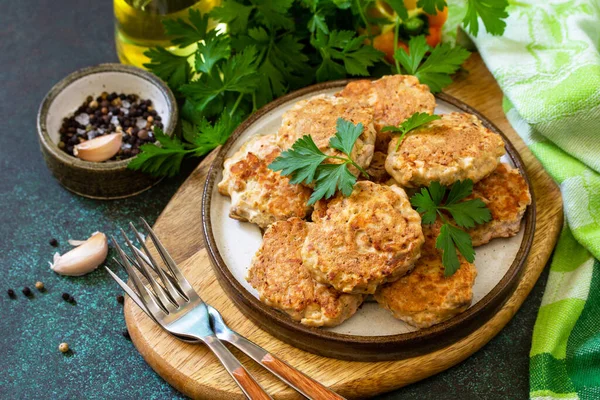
120	299
11	293
26	291
53	242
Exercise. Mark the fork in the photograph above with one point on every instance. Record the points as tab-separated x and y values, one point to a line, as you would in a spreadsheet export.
177	308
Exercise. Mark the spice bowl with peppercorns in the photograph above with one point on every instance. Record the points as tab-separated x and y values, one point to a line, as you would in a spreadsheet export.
93	122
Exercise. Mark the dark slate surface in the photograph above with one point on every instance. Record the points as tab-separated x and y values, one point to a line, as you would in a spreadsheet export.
41	42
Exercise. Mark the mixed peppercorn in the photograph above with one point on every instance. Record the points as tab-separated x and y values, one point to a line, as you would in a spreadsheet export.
111	113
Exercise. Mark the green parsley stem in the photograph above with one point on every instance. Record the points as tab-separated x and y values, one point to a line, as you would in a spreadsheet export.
361	12
237	103
350	161
442	216
396	33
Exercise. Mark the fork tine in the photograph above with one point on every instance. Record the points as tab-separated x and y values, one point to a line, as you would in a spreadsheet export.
151	304
172	291
134	264
167	273
136	299
158	290
168	260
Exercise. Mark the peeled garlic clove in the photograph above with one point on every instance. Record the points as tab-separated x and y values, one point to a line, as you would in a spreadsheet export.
99	149
82	259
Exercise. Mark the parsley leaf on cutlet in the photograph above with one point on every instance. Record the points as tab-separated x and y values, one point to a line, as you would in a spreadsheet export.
415	121
430	203
305	163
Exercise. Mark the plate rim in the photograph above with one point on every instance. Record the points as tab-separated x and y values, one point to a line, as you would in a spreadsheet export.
363	347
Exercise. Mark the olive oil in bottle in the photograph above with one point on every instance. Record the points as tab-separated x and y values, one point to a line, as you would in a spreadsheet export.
138	25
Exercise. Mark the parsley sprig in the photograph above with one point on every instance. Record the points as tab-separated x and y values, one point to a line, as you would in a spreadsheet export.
431	202
435	70
304	162
413	122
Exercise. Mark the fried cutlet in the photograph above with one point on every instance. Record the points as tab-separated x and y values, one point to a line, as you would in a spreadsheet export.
284	283
258	194
358	242
455	147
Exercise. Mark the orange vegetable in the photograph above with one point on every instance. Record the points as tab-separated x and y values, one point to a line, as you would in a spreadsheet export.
385	43
438	19
435	36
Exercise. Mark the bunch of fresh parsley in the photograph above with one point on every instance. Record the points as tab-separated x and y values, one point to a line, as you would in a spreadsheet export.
272	47
434	201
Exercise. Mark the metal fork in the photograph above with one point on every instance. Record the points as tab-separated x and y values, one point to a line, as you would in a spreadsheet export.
179	318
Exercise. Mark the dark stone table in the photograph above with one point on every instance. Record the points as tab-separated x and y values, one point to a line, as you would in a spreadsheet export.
41	41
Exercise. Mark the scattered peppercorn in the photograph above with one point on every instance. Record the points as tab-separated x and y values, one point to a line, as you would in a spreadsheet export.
53	242
26	291
120	299
126	335
39	286
111	113
68	298
11	293
63	347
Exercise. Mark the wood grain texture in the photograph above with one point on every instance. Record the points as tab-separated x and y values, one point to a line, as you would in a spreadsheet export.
310	387
253	389
194	370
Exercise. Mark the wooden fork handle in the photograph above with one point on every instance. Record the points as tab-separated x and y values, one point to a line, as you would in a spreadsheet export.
252	389
245	381
307	385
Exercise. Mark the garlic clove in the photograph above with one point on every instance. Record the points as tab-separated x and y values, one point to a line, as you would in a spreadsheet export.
82	259
99	149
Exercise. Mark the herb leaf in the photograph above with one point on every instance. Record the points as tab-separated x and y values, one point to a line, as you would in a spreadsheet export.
206	136
415	121
214	48
466	214
432	6
450	239
492	14
175	70
425	205
185	34
304	162
399	7
234	14
435	71
238	75
300	161
331	177
346	136
163	160
343	46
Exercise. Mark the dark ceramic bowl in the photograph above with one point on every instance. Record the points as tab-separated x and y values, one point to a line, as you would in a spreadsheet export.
109	179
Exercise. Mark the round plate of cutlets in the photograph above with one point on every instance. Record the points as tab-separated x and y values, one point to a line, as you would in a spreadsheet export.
358	275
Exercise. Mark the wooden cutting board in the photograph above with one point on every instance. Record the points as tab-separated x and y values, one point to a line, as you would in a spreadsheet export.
193	370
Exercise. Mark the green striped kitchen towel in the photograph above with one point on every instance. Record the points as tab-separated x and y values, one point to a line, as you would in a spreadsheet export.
548	66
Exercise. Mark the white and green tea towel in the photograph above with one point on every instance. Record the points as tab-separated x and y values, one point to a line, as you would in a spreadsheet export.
548	66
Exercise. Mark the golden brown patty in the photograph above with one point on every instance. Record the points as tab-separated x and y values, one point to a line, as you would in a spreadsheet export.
426	297
394	98
259	195
506	194
282	281
456	147
318	116
359	242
